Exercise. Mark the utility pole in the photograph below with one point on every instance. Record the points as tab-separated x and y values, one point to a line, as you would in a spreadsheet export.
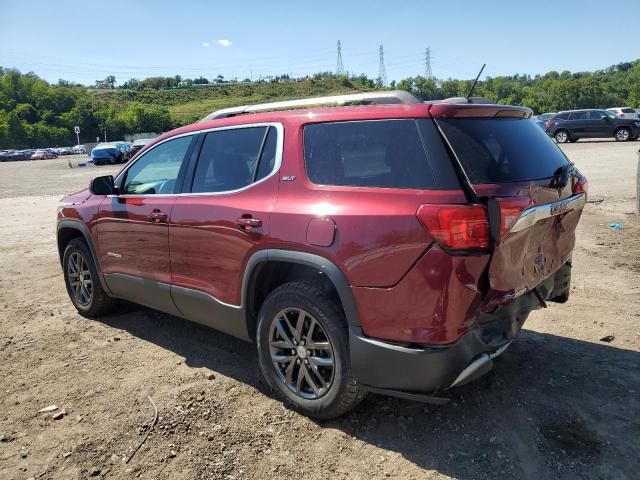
427	64
382	72
339	65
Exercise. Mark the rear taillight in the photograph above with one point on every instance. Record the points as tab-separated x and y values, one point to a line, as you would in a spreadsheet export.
466	227
548	123
510	211
458	227
581	186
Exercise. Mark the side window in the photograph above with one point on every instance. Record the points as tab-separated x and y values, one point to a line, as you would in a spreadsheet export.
229	158
561	116
579	115
596	114
379	153
156	172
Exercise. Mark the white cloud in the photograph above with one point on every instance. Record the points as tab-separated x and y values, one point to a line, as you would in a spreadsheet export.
205	44
223	42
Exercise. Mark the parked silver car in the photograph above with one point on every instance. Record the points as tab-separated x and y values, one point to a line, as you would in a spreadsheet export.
624	112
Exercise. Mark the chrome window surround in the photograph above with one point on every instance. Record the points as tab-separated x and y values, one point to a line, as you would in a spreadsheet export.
276	166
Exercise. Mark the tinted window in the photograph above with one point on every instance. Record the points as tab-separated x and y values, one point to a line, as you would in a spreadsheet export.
387	154
628	110
502	149
157	170
228	159
562	116
268	157
579	115
596	114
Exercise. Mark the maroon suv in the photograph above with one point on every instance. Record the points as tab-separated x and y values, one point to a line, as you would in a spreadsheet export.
396	248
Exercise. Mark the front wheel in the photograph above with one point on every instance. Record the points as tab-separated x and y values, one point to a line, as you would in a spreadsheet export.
622	134
561	136
81	279
303	351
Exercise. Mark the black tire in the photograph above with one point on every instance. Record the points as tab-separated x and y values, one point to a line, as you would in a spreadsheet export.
342	393
561	135
99	302
622	134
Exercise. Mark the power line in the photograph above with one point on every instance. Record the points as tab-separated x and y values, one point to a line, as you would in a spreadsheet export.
339	65
427	64
382	72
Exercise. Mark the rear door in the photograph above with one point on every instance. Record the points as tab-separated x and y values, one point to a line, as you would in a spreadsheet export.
223	219
512	163
579	124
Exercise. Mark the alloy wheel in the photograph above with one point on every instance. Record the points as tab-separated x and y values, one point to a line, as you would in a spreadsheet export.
562	136
301	353
80	280
622	135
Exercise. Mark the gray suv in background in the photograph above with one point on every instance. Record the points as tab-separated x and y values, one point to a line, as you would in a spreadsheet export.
572	125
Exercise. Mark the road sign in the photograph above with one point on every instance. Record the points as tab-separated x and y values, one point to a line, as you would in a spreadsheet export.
76	129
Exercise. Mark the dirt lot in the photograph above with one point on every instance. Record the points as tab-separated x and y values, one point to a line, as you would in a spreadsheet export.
560	403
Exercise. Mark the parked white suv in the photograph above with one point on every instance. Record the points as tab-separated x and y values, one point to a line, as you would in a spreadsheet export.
624	112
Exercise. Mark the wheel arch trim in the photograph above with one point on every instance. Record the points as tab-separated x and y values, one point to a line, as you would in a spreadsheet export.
84	232
324	265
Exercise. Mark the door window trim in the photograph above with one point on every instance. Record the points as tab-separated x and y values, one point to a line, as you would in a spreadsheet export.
194	157
121	176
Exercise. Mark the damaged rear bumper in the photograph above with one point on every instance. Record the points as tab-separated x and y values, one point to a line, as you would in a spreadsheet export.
399	370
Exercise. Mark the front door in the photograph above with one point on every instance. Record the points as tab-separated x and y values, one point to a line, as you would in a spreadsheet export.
133	226
599	124
214	230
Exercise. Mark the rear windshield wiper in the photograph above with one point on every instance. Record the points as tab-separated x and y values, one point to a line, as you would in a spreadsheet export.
561	176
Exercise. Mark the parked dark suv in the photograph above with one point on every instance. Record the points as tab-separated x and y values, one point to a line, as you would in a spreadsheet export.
396	247
572	125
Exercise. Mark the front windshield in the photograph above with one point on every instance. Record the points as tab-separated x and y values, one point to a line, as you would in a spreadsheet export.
609	114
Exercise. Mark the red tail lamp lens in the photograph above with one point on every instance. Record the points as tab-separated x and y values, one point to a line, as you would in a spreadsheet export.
510	211
459	227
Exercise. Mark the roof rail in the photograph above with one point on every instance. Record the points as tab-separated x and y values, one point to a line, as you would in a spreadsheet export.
368	98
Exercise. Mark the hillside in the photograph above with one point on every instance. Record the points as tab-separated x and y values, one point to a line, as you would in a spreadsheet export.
34	113
189	104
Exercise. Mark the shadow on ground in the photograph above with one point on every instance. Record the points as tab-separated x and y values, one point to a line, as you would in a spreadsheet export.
553	407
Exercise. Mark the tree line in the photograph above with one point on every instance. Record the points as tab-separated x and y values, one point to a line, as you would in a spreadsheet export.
35	113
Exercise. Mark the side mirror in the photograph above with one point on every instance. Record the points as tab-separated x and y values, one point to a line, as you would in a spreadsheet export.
103	185
605	118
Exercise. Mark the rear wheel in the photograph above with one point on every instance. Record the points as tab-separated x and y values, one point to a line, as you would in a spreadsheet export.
81	279
303	351
622	134
561	136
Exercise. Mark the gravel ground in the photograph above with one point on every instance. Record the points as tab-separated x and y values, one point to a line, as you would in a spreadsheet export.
560	403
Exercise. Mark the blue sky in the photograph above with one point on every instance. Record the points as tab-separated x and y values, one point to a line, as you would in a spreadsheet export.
87	40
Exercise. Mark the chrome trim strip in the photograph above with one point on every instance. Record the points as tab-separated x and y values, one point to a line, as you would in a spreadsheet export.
534	214
188	291
276	167
472	368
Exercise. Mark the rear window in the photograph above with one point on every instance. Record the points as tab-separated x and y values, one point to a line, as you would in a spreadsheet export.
380	153
497	150
562	116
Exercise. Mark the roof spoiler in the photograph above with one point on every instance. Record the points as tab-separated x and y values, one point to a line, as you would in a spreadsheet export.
390	97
